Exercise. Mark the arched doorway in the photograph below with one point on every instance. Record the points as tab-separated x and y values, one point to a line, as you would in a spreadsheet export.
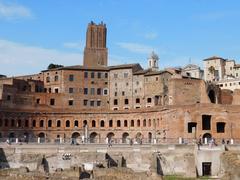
208	136
139	138
125	137
42	137
150	137
75	136
11	137
212	96
93	137
110	136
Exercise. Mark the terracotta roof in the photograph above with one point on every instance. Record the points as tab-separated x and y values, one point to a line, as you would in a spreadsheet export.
156	73
213	58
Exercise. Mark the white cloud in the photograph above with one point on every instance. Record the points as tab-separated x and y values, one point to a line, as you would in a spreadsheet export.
17	58
74	45
150	35
136	47
14	11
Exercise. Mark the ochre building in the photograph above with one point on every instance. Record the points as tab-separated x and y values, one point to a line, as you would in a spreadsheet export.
123	103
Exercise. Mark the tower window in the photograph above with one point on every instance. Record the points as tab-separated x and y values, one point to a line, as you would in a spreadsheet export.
71	77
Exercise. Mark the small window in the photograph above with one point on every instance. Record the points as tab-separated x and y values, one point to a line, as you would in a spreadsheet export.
93	123
38	101
71	77
91	103
92	74
12	123
52	102
125	75
56	90
137	82
56	78
137	100
34	123
48	79
132	123
115	93
67	123
49	123
125	123
85	74
70	102
149	100
70	90
110	123
105	92
138	123
99	75
41	123
26	123
126	101
118	123
59	123
115	102
92	91
220	127
106	75
76	123
156	78
85	90
99	91
85	102
192	127
8	97
126	83
115	84
115	75
102	123
123	93
98	103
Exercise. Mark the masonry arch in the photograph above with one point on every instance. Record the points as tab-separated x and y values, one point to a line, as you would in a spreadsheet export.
149	137
102	123
125	137
42	137
139	137
76	135
93	137
110	136
208	136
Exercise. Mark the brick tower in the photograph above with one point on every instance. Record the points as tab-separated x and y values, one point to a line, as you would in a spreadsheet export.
95	52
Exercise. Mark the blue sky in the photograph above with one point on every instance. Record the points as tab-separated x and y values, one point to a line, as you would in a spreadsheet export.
34	34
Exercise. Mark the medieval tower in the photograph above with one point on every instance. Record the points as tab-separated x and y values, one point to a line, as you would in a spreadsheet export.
95	52
153	61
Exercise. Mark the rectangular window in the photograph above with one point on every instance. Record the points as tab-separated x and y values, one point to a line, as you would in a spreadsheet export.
220	127
115	93
99	75
149	100
138	100
105	92
70	90
115	102
99	91
70	102
92	91
8	97
85	74
192	127
38	101
85	102
56	78
115	75
85	90
52	102
106	75
71	77
206	122
98	103
126	101
123	93
91	103
125	75
92	74
47	79
56	90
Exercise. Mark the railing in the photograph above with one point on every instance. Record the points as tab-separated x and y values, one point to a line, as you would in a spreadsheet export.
112	141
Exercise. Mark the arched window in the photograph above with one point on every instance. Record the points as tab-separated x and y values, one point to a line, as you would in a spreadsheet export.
110	123
26	122
149	123
138	123
76	123
12	122
67	123
19	124
132	123
118	123
49	123
58	123
6	122
93	123
102	124
125	123
34	123
144	123
41	123
84	123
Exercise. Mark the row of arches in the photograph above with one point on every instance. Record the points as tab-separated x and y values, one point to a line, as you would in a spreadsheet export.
76	123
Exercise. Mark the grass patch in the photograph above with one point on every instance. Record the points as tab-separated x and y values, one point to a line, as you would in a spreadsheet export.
177	178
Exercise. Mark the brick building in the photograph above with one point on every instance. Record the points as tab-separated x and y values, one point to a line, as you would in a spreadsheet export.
120	102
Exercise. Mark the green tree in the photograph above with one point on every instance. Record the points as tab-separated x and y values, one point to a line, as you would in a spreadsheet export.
52	66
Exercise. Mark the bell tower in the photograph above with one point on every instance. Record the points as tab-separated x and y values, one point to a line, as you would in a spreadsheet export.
153	61
95	52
